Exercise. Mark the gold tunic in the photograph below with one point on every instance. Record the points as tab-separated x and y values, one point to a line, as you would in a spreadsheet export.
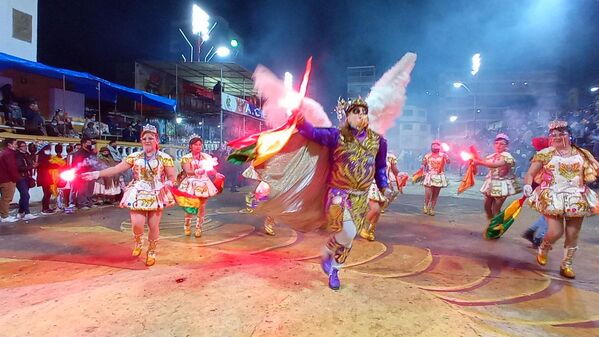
352	172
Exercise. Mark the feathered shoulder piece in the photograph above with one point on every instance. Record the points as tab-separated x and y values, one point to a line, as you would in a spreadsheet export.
388	95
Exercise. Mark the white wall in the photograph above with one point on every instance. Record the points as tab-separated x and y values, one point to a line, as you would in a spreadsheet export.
10	45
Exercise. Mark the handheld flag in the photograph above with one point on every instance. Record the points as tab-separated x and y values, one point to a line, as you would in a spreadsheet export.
504	220
418	176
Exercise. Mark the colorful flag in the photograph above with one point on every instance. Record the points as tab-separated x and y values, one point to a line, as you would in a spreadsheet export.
468	179
418	176
504	220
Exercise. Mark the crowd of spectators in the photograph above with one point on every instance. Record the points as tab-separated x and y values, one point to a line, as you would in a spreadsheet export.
25	166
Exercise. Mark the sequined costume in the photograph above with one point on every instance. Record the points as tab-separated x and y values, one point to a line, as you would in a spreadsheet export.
356	160
195	187
147	191
198	185
298	166
375	195
257	196
562	190
501	181
435	170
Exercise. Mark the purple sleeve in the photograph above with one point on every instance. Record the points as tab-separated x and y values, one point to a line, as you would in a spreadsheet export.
323	136
380	165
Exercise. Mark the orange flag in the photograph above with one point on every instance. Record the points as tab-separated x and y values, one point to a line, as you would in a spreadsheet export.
468	179
418	176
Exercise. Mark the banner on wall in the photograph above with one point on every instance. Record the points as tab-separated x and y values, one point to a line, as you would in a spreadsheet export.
240	106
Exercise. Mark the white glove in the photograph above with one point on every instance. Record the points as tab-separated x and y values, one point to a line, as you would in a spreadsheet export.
199	172
527	189
168	183
90	175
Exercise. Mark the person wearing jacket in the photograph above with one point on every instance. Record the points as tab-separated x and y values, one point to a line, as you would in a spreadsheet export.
25	165
9	175
44	176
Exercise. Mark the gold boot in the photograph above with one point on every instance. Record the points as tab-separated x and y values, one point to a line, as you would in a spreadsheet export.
364	233
199	223
151	257
139	242
431	211
544	249
565	268
269	226
371	230
187	227
425	209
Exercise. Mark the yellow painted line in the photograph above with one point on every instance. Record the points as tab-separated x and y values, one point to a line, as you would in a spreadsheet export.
458	300
419	267
80	229
292	239
371	258
234	238
457	287
494	318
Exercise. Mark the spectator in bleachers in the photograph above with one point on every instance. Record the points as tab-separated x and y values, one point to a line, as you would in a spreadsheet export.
90	131
128	134
34	123
114	152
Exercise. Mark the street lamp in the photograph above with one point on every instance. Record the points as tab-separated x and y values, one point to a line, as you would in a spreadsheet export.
220	51
453	118
200	25
458	85
594	89
199	22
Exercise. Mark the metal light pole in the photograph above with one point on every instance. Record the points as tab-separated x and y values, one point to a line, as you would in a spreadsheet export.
200	26
221	106
189	43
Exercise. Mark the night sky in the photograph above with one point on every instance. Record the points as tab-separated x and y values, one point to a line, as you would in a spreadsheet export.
511	35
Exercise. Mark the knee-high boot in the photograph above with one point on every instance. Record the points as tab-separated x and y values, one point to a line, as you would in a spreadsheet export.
151	257
139	242
544	249
565	268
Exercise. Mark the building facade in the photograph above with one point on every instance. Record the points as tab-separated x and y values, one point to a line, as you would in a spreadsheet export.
18	28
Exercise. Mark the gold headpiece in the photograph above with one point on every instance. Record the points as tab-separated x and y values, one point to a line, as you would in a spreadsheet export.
356	103
555	124
343	106
149	128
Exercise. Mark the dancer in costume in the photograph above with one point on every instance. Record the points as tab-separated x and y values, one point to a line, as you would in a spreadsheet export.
358	156
195	186
298	166
377	202
501	180
258	195
562	196
433	164
147	195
